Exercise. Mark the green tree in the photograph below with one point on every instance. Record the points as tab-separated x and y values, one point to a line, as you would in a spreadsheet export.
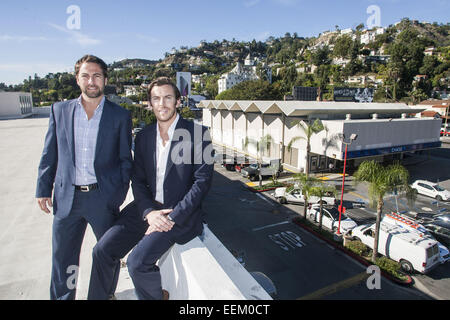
343	46
309	129
306	183
251	90
320	190
381	180
261	145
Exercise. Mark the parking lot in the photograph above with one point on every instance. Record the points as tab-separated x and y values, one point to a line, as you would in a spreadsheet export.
259	230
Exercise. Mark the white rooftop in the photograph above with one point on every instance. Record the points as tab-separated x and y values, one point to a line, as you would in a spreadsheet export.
304	108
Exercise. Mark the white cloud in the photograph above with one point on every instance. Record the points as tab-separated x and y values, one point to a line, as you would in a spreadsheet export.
39	68
6	37
82	39
251	3
147	38
16	72
287	2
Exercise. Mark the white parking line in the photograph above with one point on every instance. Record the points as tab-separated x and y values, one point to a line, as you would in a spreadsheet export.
265	199
270	225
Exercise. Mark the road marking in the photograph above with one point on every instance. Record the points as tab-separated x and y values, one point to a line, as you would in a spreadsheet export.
247	200
286	240
338	286
270	225
265	199
358	195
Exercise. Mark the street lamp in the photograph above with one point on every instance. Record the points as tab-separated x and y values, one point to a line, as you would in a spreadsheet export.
353	137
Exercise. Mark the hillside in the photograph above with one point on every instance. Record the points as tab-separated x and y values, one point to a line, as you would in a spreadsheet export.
388	59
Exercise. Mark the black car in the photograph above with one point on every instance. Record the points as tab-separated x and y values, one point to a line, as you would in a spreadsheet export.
440	230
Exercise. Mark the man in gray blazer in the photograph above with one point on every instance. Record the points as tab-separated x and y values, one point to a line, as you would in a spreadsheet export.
86	163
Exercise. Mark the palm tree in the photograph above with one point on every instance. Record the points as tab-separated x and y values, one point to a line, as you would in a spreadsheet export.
383	179
321	190
306	184
261	145
308	129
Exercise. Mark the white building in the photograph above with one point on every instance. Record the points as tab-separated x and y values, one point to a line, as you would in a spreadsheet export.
131	90
384	130
15	105
237	75
368	36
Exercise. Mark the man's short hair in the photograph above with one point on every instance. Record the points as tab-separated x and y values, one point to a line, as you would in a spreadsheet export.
92	59
161	81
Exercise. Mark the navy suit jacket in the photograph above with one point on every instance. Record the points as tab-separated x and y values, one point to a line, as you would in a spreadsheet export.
112	163
187	179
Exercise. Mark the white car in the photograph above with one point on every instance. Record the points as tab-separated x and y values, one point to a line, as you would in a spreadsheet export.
295	196
431	189
330	218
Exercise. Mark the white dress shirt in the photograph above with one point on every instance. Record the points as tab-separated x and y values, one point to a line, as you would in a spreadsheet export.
162	154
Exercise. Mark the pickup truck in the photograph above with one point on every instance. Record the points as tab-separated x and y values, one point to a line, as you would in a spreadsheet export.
252	172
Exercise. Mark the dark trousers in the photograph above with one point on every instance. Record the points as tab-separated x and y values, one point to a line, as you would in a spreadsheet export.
113	246
68	234
129	232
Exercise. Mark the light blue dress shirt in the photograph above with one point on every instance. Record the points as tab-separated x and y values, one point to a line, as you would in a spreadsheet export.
85	133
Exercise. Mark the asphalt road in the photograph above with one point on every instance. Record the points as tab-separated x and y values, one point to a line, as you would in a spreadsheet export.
260	231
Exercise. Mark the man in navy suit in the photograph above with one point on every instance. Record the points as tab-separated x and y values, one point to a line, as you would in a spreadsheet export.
173	168
87	164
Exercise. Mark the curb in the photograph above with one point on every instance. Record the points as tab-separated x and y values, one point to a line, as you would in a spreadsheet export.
255	191
408	282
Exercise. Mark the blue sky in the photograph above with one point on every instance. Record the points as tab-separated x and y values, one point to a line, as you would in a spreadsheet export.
35	37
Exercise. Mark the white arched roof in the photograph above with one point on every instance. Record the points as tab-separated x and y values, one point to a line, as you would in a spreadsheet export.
304	108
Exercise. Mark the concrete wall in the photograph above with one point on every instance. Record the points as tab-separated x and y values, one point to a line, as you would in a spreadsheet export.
203	269
206	118
216	126
15	105
327	142
239	129
397	132
227	130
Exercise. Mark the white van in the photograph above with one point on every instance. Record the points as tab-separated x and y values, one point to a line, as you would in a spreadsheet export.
413	226
413	250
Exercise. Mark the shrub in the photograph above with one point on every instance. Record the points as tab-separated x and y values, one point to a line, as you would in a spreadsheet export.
388	265
357	247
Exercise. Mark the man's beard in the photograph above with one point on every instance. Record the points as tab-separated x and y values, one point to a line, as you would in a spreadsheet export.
93	94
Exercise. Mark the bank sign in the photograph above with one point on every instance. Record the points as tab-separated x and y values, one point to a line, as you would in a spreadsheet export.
388	150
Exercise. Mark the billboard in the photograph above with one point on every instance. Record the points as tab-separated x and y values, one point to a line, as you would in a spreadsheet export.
184	83
353	94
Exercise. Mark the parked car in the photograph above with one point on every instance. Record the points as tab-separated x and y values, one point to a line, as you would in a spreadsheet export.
294	195
431	189
330	218
440	230
413	250
242	162
252	172
439	227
